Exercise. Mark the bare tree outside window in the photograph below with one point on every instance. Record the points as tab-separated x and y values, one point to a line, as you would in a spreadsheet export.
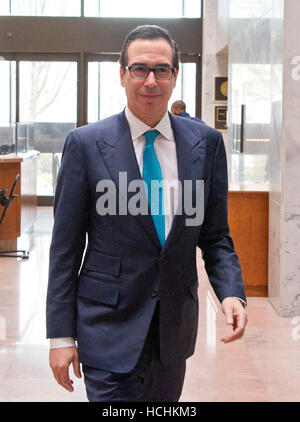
48	104
45	7
44	87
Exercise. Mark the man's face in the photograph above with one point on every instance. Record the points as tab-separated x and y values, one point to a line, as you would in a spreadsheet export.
148	98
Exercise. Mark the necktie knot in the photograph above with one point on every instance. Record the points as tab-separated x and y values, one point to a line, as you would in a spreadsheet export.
150	136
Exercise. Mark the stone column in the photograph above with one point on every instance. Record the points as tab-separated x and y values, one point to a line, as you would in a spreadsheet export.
284	258
215	55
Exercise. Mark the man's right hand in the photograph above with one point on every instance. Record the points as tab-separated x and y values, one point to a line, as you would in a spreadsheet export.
60	360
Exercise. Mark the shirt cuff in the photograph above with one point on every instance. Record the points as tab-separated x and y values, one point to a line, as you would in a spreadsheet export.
56	343
241	300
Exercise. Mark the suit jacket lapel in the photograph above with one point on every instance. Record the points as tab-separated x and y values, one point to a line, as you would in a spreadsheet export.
119	156
191	151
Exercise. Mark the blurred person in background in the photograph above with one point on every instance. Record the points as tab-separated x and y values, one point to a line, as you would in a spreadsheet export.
179	109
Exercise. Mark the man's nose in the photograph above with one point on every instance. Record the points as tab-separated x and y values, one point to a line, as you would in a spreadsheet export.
151	80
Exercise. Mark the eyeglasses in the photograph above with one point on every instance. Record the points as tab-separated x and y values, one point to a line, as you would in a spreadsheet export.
140	71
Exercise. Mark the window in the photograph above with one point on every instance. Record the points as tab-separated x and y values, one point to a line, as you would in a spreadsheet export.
142	8
8	93
48	111
7	106
103	8
105	94
4	7
40	7
186	87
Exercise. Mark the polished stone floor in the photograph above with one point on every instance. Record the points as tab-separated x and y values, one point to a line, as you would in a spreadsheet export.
264	366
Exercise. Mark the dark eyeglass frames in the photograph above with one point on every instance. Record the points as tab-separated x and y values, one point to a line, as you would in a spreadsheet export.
139	71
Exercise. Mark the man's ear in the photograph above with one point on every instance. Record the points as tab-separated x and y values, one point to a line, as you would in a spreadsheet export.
122	76
175	76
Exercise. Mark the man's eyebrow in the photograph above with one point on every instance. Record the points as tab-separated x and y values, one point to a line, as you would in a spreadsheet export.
144	64
164	64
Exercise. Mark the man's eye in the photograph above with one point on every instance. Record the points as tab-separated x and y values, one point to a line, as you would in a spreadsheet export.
139	68
163	69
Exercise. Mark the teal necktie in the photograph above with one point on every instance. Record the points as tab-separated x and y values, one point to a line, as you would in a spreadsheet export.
152	172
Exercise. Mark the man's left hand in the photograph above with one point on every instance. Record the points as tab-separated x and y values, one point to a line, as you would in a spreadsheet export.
236	316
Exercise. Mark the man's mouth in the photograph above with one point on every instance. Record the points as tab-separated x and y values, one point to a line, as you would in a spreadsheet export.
151	95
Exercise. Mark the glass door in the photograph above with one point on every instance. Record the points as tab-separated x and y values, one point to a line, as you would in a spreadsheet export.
186	87
105	93
47	112
7	106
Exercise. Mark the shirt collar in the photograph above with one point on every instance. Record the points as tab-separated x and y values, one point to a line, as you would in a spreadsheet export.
138	128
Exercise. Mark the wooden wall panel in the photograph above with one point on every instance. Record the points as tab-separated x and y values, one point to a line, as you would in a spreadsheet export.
11	225
248	215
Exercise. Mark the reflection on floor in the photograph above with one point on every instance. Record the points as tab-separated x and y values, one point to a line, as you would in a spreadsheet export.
263	366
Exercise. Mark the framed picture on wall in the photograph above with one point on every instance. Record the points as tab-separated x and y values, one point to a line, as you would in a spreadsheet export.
221	117
221	88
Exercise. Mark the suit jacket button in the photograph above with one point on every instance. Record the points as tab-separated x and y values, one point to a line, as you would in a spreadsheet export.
154	292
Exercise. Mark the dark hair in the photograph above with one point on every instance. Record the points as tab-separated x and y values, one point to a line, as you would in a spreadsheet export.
148	32
179	104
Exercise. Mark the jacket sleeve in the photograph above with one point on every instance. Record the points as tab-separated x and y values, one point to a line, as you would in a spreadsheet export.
71	206
220	259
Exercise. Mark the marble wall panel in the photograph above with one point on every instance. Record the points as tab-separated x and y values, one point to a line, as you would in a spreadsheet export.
250	8
292	156
215	62
291	103
223	13
291	278
276	144
276	206
214	65
275	254
290	282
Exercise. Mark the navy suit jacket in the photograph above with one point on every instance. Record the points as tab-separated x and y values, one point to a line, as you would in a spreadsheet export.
187	116
103	295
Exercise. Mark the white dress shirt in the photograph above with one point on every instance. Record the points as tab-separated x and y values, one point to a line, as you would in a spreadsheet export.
165	149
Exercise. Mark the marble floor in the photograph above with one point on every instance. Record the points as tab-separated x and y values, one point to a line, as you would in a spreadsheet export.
264	366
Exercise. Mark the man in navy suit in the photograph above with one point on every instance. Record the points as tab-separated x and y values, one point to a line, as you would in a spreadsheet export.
129	300
179	109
